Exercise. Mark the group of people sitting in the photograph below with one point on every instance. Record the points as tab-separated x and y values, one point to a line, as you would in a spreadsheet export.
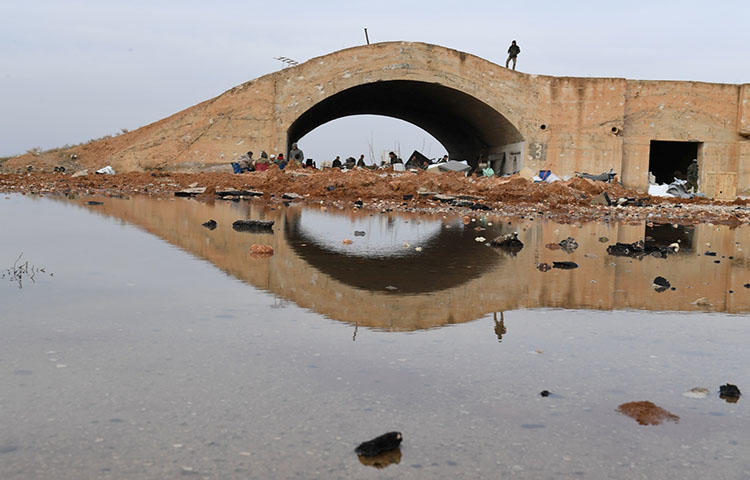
246	162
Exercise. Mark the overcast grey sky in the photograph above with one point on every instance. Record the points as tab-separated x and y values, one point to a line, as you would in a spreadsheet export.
75	70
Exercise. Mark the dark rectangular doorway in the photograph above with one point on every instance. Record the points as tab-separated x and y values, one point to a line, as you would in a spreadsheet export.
667	160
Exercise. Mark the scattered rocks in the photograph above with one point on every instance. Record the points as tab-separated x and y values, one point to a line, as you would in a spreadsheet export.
565	265
647	413
253	226
383	443
661	284
211	224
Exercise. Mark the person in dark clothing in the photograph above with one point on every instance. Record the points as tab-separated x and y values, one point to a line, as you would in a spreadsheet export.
361	161
296	155
336	163
692	176
350	162
513	52
394	158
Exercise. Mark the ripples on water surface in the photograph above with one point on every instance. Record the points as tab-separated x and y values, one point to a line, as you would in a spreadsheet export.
160	348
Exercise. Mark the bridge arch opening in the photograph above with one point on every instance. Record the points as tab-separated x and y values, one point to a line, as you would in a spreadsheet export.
469	128
370	135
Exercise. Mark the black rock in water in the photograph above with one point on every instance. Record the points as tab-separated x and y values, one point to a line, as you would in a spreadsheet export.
544	393
211	224
661	284
94	202
359	233
510	243
376	446
710	254
565	265
729	390
259	226
569	245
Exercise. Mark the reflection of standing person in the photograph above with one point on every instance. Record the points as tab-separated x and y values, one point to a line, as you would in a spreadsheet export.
513	52
296	155
499	326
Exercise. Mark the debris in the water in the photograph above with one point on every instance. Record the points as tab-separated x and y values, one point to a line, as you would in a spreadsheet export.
565	265
376	446
569	245
729	391
211	224
709	253
697	392
509	242
544	393
346	241
543	267
257	249
359	233
264	226
639	250
646	413
661	284
603	239
94	202
702	302
418	249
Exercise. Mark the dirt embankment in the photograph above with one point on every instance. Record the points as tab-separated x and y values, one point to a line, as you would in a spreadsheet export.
570	200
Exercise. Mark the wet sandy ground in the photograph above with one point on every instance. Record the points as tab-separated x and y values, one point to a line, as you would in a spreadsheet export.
141	359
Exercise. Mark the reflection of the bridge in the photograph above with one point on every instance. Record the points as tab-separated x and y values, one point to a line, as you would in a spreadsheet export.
453	279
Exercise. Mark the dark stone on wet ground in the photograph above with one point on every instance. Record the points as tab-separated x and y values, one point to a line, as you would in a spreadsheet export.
231	193
729	390
190	192
565	265
661	284
543	267
93	202
639	250
259	226
376	446
211	224
509	243
709	254
569	245
359	233
544	393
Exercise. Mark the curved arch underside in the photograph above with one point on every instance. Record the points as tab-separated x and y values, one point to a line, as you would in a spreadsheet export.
466	126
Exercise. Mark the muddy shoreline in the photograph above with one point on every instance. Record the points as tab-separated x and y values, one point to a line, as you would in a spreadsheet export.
569	201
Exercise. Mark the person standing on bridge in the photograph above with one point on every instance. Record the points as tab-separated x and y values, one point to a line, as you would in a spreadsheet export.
296	155
513	52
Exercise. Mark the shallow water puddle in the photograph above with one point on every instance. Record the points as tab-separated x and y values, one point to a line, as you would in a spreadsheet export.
161	348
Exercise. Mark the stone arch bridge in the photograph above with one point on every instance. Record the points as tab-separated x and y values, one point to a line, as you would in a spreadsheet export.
473	107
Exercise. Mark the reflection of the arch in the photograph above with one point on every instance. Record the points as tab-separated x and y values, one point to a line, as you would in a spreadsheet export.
601	282
385	257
